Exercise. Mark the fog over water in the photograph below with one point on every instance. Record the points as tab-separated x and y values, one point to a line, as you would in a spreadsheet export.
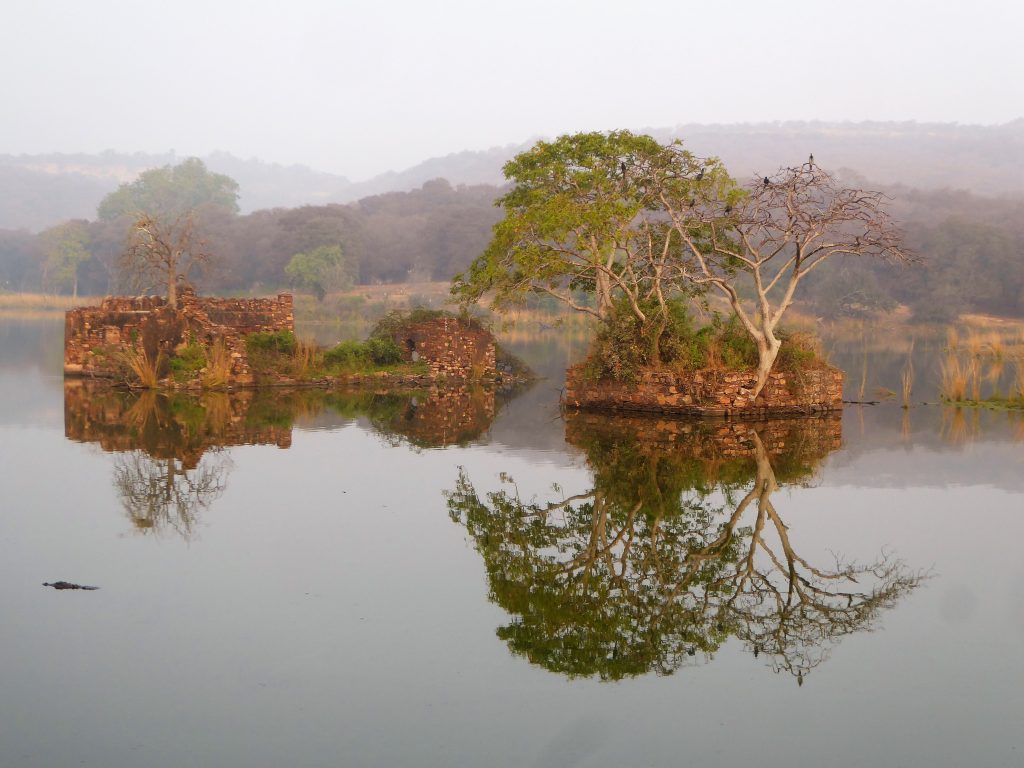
359	89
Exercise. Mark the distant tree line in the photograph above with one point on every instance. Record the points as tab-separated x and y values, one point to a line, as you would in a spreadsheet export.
970	247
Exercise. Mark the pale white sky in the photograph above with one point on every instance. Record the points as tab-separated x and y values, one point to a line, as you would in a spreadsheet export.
359	87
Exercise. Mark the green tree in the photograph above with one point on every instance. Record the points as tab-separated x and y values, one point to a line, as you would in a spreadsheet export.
64	249
585	216
320	271
170	192
582	217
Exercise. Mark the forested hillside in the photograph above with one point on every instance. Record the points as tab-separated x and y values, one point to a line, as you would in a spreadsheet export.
37	191
969	243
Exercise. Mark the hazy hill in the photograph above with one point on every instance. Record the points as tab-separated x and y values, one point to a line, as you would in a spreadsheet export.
39	190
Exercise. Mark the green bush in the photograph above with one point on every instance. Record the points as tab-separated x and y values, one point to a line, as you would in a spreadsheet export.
280	342
347	354
188	360
624	345
383	351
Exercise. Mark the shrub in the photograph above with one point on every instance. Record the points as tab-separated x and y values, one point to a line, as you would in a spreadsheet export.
188	360
347	354
624	345
383	350
280	342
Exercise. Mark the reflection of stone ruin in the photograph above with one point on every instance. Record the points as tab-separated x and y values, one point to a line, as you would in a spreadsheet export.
162	426
95	338
442	417
449	346
805	440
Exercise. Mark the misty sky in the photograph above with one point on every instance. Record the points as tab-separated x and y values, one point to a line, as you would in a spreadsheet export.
363	87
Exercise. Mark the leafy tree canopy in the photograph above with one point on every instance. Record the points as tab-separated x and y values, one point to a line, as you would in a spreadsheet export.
321	270
171	191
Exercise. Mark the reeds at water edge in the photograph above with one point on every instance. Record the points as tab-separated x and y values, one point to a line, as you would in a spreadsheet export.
145	369
907	376
218	366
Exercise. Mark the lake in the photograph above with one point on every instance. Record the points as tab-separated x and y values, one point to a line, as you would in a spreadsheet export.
474	578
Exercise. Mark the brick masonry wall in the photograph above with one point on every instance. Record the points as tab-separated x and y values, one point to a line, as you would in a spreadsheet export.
709	393
449	347
94	336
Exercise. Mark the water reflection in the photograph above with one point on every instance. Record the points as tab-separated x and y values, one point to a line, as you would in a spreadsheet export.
171	462
677	547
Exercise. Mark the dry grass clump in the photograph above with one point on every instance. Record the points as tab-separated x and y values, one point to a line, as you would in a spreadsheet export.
145	369
907	376
306	357
217	371
1017	386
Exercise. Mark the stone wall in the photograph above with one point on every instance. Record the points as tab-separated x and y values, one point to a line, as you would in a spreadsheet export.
449	346
95	338
709	393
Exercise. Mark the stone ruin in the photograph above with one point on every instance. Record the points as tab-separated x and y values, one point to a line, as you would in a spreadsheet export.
709	392
95	338
451	347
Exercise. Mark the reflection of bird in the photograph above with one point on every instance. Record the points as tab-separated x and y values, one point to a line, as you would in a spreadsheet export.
700	175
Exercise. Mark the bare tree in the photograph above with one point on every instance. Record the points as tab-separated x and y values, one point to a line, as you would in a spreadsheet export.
775	233
163	251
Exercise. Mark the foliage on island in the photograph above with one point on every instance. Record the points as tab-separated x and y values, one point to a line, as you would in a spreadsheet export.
637	225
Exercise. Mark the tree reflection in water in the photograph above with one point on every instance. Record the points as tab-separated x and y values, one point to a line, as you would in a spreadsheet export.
677	547
162	494
170	461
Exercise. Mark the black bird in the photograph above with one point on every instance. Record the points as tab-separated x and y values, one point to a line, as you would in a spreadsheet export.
700	175
622	166
728	209
766	181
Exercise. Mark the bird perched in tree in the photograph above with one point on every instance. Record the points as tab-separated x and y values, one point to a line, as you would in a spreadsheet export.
810	160
700	175
766	181
622	167
693	201
728	209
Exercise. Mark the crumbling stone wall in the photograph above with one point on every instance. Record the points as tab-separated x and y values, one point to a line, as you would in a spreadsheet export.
709	393
449	346
95	337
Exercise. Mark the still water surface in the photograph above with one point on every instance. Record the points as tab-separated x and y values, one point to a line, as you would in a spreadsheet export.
325	579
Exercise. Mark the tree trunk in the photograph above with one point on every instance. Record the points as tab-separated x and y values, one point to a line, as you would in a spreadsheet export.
172	290
767	353
604	296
